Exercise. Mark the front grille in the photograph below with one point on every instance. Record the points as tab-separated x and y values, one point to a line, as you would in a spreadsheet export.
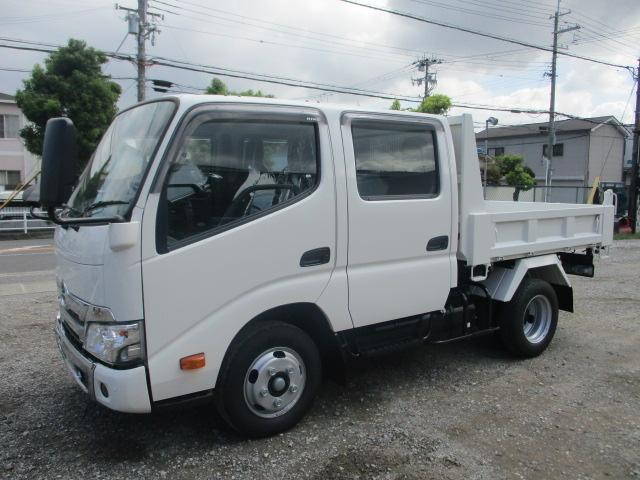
73	315
72	336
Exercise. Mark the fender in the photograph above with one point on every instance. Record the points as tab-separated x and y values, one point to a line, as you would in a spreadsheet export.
503	281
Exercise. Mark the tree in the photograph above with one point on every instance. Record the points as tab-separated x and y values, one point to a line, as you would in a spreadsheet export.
71	84
507	163
395	105
218	87
494	175
437	104
251	93
515	173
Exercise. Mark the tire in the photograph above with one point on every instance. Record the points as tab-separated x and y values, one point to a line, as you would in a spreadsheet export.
528	322
268	379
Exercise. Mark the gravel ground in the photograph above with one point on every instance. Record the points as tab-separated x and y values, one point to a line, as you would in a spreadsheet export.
457	411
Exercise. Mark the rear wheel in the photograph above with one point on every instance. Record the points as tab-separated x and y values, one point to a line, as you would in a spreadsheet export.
528	322
269	379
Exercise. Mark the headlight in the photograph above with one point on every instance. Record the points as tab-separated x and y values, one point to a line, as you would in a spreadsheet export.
116	344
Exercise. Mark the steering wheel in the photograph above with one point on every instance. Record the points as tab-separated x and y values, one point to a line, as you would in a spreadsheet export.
237	204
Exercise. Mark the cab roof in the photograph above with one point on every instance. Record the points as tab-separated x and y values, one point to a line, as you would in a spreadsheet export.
188	101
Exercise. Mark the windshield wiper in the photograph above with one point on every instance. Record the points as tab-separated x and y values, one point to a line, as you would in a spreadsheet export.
103	203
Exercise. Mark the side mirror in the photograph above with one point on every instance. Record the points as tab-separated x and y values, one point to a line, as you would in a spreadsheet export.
59	154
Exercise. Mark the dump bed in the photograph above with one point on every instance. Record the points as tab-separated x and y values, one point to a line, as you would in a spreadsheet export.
492	230
508	230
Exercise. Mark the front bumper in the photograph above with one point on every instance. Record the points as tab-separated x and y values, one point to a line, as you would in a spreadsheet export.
121	390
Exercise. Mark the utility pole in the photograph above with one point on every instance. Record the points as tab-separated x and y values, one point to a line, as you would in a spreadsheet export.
430	78
552	103
142	47
490	121
139	26
633	184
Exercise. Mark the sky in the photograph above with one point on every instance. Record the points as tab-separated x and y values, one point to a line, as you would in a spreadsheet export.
333	42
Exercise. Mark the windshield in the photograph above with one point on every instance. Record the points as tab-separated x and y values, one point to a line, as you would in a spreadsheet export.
111	180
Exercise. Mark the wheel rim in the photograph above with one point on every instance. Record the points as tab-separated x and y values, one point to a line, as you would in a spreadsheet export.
537	319
274	382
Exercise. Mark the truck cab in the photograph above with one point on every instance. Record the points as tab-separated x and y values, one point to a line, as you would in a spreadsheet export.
241	249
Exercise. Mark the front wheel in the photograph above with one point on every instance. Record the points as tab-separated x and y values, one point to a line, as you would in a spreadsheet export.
528	322
269	379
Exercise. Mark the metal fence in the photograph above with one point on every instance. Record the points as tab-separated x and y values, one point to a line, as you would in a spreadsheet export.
555	194
19	219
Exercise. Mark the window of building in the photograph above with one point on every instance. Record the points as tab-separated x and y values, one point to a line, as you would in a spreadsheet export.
495	151
9	179
9	126
558	150
394	159
229	172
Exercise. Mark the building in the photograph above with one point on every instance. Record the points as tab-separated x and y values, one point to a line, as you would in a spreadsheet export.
16	163
584	149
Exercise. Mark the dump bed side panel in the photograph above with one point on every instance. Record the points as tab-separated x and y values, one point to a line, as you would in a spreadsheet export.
534	229
492	231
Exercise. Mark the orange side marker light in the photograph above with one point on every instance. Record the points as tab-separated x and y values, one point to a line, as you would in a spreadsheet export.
192	362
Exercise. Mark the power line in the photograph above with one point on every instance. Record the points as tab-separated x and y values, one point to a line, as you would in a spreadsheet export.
338	89
479	13
411	52
511	7
48	17
624	112
292	82
490	57
280	44
482	34
377	79
279	80
364	48
607	38
299	33
50	48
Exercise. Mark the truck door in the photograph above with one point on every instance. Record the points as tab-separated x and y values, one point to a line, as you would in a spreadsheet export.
241	220
400	217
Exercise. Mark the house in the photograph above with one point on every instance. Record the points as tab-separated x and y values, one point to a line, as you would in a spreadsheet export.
16	163
584	149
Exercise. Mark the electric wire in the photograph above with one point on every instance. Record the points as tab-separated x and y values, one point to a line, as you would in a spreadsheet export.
482	34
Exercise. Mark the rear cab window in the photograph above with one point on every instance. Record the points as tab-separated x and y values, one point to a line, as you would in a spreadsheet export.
395	159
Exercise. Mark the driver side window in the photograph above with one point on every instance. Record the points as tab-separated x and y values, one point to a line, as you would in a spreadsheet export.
229	172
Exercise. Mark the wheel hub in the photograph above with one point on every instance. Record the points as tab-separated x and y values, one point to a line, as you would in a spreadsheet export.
274	382
537	319
278	384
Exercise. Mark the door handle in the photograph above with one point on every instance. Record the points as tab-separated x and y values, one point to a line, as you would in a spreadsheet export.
317	256
438	243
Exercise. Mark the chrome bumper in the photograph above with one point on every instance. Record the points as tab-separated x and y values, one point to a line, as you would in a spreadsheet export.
120	390
80	367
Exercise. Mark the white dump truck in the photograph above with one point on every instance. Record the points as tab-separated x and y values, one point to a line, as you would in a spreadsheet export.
242	249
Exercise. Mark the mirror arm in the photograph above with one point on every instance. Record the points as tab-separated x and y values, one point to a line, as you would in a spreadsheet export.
77	222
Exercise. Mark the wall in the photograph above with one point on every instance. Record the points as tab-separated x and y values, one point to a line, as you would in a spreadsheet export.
606	152
570	169
13	154
557	193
